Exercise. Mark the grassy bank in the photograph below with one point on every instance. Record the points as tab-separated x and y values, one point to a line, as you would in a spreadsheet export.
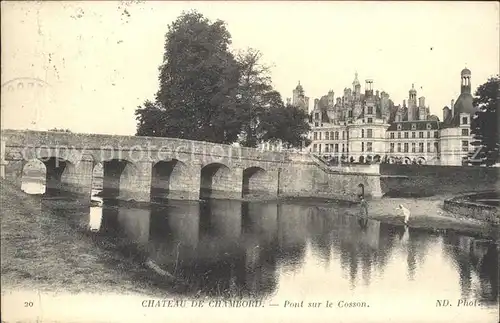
42	251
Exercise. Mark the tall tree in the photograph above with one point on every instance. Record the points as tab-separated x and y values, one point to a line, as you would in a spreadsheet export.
199	80
286	124
485	123
254	86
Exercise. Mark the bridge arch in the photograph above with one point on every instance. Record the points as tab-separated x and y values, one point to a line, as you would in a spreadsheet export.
34	177
168	179
118	178
255	181
215	180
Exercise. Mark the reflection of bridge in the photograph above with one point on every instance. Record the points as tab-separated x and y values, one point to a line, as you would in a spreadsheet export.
143	167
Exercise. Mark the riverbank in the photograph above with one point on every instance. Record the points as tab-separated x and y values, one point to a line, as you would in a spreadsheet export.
427	214
42	251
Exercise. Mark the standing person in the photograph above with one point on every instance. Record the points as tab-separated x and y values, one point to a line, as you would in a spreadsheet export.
363	212
405	213
364	206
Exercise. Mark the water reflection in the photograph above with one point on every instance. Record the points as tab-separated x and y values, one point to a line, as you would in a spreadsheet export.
229	248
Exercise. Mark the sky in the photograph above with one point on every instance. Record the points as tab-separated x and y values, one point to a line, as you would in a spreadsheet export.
99	60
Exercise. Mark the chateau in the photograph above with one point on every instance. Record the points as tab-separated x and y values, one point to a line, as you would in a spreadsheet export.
361	127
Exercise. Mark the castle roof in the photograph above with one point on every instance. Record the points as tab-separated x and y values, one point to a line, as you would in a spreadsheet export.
420	125
462	105
465	72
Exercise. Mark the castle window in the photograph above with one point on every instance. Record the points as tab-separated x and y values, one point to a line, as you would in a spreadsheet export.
336	148
316	116
435	134
392	147
413	126
428	147
362	133
315	147
465	132
316	124
465	145
336	135
362	146
406	134
320	138
331	135
429	126
406	147
399	127
421	134
350	113
420	147
368	146
436	147
370	120
465	120
399	135
399	147
428	134
319	148
343	147
370	110
392	135
369	133
327	135
326	148
343	135
413	134
315	136
413	146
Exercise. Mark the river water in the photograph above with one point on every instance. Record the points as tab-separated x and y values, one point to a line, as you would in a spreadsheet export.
293	251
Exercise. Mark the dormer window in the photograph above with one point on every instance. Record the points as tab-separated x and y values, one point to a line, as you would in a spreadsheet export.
413	126
465	120
428	126
399	127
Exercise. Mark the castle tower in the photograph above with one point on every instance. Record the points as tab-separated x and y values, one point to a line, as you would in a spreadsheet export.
369	88
331	98
412	104
422	109
298	92
465	85
356	86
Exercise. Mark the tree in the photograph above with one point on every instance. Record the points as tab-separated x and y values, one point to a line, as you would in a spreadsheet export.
484	125
287	124
199	81
255	94
60	130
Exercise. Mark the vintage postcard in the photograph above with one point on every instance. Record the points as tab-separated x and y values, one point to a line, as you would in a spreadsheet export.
289	161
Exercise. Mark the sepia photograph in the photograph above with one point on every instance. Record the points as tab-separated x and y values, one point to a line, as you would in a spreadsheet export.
250	161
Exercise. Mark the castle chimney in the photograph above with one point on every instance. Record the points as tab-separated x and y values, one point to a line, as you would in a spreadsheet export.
421	102
446	112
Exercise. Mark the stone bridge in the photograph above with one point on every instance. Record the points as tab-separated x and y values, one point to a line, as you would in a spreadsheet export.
139	168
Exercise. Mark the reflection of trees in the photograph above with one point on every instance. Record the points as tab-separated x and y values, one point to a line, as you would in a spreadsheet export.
220	249
292	234
320	224
361	245
417	246
474	258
